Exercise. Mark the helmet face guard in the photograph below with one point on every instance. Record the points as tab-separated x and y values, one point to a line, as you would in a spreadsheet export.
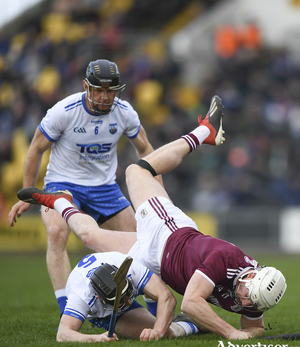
103	284
102	74
266	288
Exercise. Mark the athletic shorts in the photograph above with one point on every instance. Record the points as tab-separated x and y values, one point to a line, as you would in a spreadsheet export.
156	219
104	322
100	202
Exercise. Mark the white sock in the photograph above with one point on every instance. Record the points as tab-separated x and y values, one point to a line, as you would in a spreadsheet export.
61	298
189	328
201	133
60	292
196	137
61	204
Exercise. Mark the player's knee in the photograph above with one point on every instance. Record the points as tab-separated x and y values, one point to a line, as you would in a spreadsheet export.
57	235
131	171
186	306
145	165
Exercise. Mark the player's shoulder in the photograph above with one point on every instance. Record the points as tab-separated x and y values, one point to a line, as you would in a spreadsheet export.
123	106
70	102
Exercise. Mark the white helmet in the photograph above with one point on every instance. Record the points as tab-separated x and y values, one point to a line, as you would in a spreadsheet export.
266	288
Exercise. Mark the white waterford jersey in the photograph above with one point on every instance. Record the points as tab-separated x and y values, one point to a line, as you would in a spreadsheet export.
84	149
82	302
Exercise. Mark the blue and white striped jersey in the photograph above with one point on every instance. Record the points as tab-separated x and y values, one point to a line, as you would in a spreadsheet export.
82	302
84	149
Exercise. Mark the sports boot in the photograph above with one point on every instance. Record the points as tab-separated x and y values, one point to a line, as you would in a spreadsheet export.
213	120
37	196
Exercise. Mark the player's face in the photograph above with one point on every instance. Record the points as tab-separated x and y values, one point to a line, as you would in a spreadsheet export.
126	302
100	99
103	97
242	295
242	292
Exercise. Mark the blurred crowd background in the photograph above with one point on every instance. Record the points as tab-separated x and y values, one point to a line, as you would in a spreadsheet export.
44	54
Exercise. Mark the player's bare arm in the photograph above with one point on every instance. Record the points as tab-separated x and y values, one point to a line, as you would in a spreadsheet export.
194	304
166	304
142	144
256	327
68	330
32	165
144	147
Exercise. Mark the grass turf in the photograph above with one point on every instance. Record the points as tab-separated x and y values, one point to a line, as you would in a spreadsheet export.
29	313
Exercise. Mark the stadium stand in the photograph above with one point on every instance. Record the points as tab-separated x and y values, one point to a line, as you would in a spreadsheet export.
43	56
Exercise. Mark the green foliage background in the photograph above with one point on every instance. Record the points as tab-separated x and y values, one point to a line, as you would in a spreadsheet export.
29	313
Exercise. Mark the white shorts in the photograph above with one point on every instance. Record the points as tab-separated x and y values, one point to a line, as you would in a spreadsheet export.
156	219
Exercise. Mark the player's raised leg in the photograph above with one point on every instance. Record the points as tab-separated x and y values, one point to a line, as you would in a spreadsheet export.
139	178
140	181
94	237
82	225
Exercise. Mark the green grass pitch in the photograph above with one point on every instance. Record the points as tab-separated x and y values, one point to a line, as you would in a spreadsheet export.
29	313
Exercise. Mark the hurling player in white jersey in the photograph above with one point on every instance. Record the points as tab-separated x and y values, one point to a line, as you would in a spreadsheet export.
83	131
91	292
204	269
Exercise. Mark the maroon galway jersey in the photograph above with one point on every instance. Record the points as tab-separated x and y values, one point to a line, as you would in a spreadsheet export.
220	262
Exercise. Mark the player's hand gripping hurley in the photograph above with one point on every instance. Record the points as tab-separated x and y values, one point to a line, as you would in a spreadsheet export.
119	279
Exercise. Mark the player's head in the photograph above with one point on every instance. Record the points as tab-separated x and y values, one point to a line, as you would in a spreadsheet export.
102	84
265	287
102	282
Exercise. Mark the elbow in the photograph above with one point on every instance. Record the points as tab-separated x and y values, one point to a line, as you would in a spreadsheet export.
187	306
173	301
63	335
189	303
59	337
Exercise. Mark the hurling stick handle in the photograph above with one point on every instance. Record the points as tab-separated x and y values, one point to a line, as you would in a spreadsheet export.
292	336
112	324
119	278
